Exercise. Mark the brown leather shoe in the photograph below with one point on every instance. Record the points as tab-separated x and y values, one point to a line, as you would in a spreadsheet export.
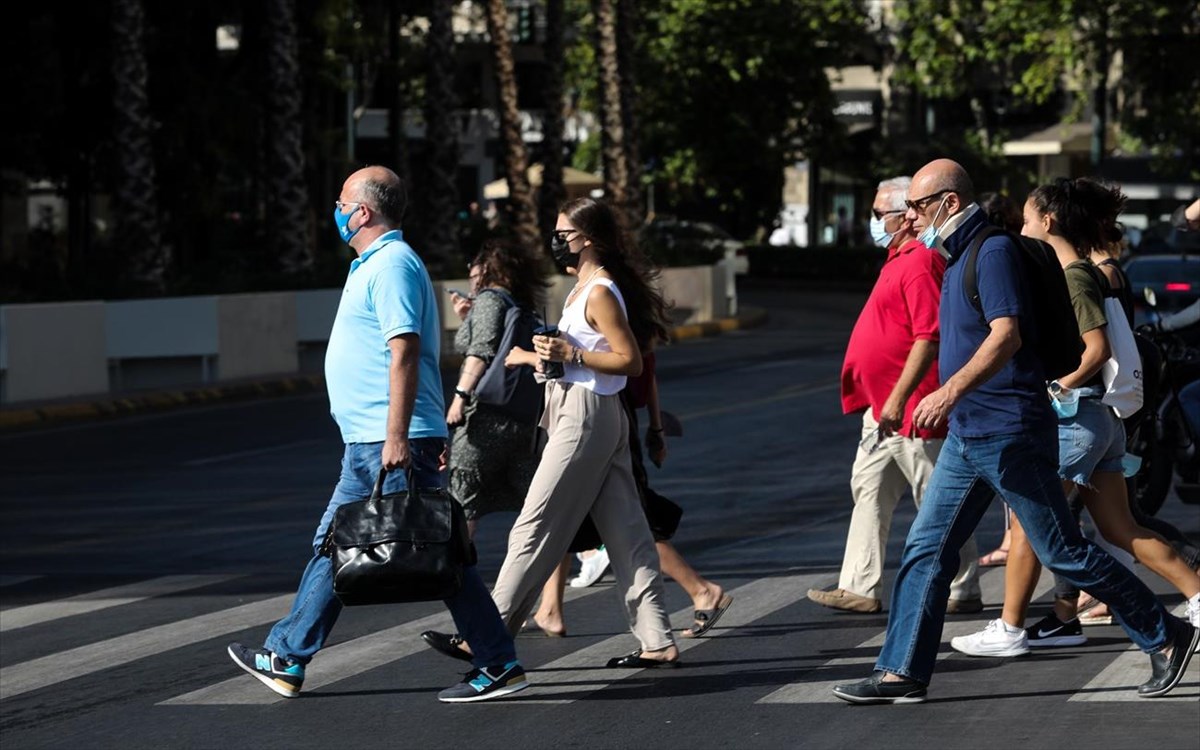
845	600
963	606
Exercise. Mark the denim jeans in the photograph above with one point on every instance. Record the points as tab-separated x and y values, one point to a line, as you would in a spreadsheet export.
315	610
1022	469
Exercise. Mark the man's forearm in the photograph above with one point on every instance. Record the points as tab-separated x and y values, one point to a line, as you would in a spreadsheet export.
402	389
923	354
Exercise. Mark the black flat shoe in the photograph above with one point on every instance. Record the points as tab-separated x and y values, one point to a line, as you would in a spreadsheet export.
875	690
446	644
635	661
1167	672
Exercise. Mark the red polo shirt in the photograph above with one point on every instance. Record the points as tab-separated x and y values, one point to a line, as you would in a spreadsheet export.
902	308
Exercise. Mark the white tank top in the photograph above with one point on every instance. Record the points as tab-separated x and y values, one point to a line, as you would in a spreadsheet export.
574	327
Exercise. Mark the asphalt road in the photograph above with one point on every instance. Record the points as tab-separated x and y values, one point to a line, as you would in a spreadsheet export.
133	550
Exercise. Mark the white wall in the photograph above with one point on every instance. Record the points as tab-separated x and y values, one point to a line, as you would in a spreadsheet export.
54	350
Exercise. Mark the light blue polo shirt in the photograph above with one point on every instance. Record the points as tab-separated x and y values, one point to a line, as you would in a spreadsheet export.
387	293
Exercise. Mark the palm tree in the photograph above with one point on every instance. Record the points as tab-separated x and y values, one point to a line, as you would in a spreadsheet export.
616	171
137	233
523	214
552	192
441	239
627	21
287	192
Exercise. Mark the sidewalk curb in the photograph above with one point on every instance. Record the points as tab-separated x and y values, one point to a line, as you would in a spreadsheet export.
74	411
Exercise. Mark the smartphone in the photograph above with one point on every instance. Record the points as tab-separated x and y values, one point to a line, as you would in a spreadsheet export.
460	293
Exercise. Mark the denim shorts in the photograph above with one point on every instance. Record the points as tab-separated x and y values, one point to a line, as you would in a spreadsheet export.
1093	440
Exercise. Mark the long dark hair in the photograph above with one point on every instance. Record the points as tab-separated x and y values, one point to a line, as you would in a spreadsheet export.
624	261
1086	211
1001	211
509	266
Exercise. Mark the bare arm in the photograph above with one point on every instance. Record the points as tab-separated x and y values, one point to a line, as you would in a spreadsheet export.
468	377
1096	352
605	315
402	396
923	354
996	350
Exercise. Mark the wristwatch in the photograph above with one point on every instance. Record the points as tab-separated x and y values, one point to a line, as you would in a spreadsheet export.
464	395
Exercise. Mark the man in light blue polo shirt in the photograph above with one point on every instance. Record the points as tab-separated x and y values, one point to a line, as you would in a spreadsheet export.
385	393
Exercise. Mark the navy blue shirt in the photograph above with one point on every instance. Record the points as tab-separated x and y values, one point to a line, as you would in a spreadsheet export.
1013	400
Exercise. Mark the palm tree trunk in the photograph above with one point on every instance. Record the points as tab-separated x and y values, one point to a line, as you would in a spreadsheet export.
522	212
138	235
616	171
553	193
287	193
441	132
627	21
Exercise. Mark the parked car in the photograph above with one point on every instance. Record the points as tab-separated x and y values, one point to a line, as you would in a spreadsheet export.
675	242
1174	278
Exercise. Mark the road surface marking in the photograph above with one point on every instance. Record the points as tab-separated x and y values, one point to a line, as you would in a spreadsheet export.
34	614
1118	682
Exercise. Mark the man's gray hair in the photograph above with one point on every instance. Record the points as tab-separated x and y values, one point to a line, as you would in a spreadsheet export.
897	190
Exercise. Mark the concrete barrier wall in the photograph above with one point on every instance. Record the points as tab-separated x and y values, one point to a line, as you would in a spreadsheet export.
53	350
256	335
64	350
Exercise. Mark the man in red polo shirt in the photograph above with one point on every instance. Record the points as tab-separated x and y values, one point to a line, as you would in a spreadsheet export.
891	364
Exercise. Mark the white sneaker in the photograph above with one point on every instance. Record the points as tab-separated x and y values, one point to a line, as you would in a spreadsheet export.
994	640
592	569
1193	613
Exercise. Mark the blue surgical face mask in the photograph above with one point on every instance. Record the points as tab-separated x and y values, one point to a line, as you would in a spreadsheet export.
343	222
929	238
879	235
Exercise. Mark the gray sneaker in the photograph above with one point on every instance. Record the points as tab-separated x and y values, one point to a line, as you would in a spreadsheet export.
487	683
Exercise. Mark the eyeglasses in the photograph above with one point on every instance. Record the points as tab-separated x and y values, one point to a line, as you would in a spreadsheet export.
920	204
880	214
339	205
565	233
872	442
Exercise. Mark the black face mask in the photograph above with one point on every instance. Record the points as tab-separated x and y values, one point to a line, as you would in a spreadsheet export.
560	250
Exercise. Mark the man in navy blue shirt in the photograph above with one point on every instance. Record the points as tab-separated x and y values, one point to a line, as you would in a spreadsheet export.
1002	440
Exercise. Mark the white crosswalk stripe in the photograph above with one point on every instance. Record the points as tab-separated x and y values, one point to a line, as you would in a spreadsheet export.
1118	682
338	662
821	691
35	614
577	674
16	679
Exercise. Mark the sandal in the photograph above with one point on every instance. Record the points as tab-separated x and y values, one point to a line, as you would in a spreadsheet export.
994	559
635	661
706	618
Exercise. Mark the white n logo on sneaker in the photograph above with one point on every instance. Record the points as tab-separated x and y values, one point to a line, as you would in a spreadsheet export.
263	662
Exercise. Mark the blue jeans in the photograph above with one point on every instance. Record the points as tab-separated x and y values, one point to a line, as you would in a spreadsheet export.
315	610
1189	404
1023	471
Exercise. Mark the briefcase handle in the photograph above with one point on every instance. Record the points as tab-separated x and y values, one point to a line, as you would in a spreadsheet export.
410	475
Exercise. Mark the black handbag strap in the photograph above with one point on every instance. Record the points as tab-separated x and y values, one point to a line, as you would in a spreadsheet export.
410	474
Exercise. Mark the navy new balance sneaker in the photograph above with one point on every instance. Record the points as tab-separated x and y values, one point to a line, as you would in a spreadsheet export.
277	673
487	683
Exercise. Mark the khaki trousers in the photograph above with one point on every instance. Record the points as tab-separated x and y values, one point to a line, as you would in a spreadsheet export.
585	470
878	481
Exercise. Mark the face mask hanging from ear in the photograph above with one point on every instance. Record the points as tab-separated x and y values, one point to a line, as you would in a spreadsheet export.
929	238
880	236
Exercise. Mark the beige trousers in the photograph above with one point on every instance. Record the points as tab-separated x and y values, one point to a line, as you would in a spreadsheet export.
585	469
878	481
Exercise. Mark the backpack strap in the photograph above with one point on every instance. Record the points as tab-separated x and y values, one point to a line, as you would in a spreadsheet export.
503	295
971	258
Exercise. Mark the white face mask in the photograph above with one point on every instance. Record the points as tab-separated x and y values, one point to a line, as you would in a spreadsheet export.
929	238
879	235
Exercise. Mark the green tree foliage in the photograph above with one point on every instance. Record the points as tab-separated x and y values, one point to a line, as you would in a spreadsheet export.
731	91
1033	49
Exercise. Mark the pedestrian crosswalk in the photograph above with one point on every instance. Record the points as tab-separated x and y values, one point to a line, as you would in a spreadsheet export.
559	679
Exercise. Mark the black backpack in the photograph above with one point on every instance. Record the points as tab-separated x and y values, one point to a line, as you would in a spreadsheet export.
1059	345
512	391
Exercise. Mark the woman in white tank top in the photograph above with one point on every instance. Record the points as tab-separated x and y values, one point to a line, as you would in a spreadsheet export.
586	468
